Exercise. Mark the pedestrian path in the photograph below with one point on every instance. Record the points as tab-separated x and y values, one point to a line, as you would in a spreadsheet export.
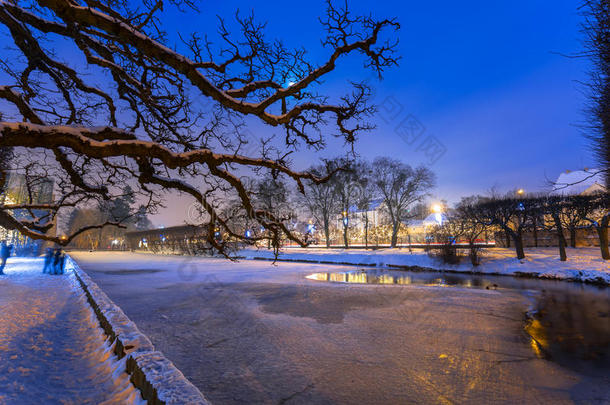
52	350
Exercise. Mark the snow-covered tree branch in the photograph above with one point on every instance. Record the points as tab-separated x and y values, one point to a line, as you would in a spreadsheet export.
99	96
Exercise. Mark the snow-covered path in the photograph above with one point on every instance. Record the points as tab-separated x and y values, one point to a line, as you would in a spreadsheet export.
52	349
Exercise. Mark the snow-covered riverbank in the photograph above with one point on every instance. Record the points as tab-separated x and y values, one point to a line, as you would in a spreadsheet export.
584	264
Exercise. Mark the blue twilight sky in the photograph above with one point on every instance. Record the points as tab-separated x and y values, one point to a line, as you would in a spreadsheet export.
483	78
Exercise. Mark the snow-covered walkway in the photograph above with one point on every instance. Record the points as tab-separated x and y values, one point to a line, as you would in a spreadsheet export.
52	349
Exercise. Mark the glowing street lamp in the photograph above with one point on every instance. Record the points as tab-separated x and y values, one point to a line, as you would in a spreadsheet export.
437	208
520	192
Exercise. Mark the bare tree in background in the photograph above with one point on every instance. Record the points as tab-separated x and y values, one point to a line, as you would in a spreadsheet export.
596	213
401	187
573	216
367	193
271	195
320	200
346	190
105	99
508	214
465	214
554	207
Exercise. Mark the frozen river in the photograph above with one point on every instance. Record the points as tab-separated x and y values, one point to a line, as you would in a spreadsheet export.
253	332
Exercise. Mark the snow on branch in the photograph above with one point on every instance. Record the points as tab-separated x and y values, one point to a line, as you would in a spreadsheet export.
127	106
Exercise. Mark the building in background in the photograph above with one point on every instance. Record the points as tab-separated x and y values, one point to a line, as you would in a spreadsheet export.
579	182
17	191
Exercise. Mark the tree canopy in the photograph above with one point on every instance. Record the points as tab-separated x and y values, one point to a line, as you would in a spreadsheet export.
99	97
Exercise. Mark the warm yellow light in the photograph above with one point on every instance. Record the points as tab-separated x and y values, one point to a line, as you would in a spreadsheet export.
520	191
437	208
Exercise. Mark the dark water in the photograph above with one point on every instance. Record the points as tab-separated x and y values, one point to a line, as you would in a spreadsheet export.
568	323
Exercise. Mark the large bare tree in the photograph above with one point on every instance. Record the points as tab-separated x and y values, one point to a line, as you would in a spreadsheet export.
596	29
401	187
99	96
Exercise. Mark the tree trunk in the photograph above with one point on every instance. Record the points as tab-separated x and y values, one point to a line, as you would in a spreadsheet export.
518	241
535	232
561	240
573	237
519	247
345	235
474	259
602	233
327	233
366	230
394	235
507	239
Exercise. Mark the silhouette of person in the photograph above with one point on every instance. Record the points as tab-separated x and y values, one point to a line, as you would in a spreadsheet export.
62	261
56	261
5	252
48	260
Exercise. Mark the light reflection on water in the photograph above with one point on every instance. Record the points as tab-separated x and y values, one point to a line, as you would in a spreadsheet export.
568	323
399	278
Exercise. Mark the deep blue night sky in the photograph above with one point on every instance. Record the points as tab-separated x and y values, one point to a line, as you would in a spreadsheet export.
484	78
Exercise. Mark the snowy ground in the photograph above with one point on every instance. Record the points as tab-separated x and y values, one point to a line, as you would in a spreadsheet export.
254	332
52	350
583	264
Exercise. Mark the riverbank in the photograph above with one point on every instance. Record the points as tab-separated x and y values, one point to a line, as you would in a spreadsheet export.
583	265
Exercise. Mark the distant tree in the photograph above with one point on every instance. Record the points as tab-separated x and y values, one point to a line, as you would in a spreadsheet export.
572	216
119	209
81	218
367	193
141	221
596	212
271	196
508	214
321	202
471	229
401	187
5	159
554	207
346	189
447	234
